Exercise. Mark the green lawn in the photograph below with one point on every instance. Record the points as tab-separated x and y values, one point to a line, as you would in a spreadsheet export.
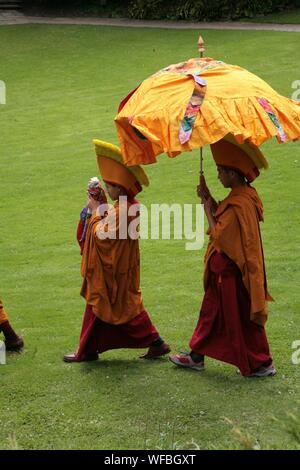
63	87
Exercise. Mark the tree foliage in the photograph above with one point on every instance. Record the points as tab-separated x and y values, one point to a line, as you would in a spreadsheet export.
194	10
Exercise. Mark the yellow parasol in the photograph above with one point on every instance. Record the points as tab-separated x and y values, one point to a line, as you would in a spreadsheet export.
199	102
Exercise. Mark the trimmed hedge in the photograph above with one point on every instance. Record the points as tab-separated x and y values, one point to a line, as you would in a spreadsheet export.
203	10
194	10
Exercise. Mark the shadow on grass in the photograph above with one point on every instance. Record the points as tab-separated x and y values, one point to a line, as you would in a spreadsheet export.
161	367
121	364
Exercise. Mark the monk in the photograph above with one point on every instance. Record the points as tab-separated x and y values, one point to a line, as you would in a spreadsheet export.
234	309
13	342
115	316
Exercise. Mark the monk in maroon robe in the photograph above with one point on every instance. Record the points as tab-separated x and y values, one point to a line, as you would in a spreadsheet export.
13	342
115	316
234	309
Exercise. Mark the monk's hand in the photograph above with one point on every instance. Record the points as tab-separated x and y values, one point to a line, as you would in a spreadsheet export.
204	187
202	194
92	204
202	190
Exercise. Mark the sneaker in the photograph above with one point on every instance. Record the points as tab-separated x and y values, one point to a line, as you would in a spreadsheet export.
269	371
185	360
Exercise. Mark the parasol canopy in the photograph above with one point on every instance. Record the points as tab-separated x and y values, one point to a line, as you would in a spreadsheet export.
199	102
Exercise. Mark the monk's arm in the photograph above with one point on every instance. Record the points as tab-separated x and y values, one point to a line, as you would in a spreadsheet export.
107	228
214	205
209	203
209	211
226	229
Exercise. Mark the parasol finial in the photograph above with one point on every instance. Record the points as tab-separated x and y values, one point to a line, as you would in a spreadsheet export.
201	46
201	49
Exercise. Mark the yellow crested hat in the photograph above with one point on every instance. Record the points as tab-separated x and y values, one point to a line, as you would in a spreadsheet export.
113	169
246	158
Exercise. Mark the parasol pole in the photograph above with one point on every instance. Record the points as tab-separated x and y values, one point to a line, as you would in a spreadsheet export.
201	49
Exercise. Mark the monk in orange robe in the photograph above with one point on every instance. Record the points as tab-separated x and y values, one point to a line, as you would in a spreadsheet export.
13	342
115	316
234	308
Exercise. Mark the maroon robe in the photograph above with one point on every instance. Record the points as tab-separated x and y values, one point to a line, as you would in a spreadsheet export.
97	336
224	330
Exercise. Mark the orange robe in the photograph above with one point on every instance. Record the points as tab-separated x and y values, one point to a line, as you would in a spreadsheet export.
237	234
3	314
111	267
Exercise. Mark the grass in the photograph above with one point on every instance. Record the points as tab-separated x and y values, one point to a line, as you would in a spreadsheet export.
63	87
